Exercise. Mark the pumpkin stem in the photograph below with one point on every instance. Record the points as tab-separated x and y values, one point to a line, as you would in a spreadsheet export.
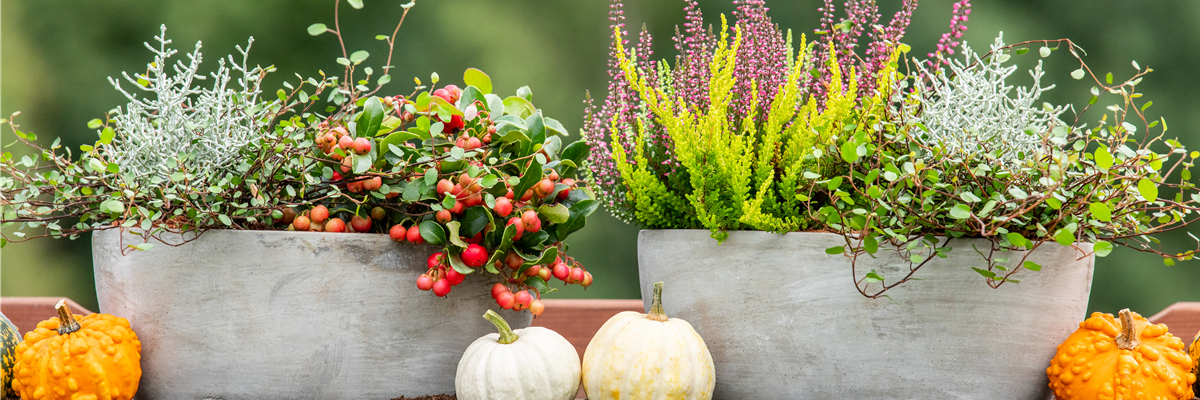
1127	339
66	321
506	333
656	308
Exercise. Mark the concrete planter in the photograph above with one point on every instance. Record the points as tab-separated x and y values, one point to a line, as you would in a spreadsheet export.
783	320
289	315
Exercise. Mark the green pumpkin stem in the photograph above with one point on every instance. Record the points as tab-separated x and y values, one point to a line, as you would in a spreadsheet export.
656	308
506	333
1127	339
66	321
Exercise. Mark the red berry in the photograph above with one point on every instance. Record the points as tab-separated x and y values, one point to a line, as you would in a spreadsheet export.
454	277
544	187
441	288
576	275
318	214
553	175
362	145
497	289
561	271
521	300
398	232
335	225
513	260
473	200
509	195
530	220
505	300
347	165
474	256
435	260
536	307
532	270
514	221
454	92
503	207
587	279
444	186
455	124
301	223
373	184
346	143
528	195
443	216
414	235
354	186
444	94
458	207
316	227
360	224
473	143
424	282
289	215
378	213
477	239
545	274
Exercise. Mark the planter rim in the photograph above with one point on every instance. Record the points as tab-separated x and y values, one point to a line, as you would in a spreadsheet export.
707	232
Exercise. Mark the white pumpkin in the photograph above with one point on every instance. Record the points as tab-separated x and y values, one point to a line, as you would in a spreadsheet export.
648	356
534	363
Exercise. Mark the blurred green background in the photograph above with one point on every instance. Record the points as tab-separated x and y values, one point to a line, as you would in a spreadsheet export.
55	55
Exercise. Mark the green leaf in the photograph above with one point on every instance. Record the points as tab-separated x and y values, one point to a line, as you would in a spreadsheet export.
1019	241
454	226
960	211
547	256
1077	74
317	29
849	151
95	123
368	122
579	213
357	4
383	80
871	245
538	284
474	219
984	272
532	175
359	56
458	265
224	219
433	233
1148	189
96	165
362	163
1100	211
557	213
1102	248
874	277
478	79
107	135
519	107
1064	237
142	246
836	250
1032	266
1104	159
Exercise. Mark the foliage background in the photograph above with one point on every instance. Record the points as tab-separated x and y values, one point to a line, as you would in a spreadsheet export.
55	54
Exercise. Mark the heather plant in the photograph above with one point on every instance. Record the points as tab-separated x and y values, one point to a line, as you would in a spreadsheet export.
894	162
487	178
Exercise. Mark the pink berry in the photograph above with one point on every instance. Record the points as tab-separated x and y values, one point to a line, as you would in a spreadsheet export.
424	282
441	288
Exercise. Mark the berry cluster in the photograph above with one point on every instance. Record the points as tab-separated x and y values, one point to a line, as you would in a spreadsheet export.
486	177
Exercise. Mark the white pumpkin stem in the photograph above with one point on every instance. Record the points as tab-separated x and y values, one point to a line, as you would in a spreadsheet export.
506	333
66	321
1127	339
656	308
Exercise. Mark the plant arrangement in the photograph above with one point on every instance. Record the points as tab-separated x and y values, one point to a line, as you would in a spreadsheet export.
750	129
489	178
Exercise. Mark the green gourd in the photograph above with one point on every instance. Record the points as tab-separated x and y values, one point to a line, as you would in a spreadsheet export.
9	337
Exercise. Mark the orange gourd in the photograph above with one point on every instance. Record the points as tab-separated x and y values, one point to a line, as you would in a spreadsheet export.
78	357
1194	354
1129	359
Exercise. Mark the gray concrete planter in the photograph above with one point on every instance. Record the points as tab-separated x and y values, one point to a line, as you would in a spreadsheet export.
289	315
783	320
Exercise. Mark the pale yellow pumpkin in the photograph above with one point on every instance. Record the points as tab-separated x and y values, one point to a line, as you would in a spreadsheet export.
648	356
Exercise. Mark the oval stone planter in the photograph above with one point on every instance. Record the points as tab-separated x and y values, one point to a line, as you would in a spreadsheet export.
289	315
783	320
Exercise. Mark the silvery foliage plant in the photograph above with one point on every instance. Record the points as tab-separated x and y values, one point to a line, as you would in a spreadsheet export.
969	109
177	126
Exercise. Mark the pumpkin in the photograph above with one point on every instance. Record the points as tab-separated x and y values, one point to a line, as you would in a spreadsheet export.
1121	360
73	356
9	337
1194	354
648	356
534	363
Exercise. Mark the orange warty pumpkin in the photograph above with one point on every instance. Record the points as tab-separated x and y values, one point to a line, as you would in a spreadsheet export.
70	357
1194	354
1129	359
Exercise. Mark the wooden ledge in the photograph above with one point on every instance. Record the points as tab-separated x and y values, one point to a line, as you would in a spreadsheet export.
27	312
1182	319
578	320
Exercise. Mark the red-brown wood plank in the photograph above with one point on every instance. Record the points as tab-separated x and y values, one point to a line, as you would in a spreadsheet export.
1182	319
27	312
578	320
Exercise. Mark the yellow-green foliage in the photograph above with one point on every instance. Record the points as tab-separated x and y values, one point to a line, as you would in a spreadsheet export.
751	176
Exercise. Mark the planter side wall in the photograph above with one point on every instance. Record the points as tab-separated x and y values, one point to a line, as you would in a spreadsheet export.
289	315
782	318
